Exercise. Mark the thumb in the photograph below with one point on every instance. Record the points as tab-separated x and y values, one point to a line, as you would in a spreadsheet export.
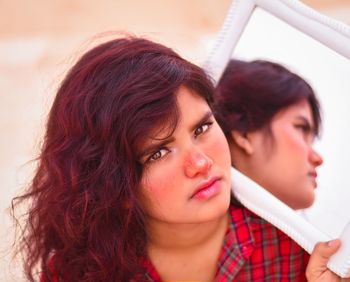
320	256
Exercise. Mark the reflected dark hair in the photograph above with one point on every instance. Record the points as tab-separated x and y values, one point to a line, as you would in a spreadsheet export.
85	220
250	94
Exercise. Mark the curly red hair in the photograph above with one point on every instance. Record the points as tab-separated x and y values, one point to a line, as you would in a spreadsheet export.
85	220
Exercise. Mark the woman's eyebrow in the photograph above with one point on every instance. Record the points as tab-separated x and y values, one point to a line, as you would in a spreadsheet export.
207	115
304	119
156	144
307	122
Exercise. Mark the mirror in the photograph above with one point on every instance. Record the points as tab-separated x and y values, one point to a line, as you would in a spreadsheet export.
318	49
267	37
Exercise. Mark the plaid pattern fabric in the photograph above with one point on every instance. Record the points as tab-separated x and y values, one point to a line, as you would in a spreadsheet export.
253	250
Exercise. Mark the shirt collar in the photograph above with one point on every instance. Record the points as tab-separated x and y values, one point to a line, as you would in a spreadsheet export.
238	245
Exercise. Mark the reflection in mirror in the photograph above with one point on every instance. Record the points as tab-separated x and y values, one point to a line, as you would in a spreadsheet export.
267	37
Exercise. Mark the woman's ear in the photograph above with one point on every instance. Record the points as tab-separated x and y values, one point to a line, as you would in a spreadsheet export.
242	141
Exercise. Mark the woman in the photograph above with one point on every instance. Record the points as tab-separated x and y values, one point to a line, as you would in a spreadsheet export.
133	182
271	117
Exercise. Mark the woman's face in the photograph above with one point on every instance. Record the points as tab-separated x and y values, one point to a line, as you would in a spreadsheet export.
285	162
187	175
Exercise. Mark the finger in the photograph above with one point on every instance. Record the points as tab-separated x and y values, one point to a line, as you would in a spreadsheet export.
323	251
319	258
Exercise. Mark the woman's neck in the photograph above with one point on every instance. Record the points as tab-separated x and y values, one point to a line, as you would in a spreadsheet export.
186	251
181	236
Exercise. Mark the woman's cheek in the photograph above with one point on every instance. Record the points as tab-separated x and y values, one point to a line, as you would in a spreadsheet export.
157	184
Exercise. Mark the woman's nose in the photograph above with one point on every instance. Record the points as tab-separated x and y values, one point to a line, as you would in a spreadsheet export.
315	158
197	163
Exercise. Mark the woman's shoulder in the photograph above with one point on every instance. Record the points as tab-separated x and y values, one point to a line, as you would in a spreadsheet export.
266	250
240	214
265	237
257	226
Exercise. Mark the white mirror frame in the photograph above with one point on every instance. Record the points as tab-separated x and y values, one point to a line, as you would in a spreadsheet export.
332	34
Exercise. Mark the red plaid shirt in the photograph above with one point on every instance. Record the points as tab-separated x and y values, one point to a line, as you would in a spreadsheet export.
253	250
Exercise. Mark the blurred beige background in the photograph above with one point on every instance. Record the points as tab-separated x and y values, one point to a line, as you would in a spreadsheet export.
40	39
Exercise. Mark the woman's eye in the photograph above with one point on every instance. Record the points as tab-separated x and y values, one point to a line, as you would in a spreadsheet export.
203	128
158	155
303	127
306	131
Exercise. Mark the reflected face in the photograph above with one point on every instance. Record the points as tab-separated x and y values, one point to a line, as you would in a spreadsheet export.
187	175
285	164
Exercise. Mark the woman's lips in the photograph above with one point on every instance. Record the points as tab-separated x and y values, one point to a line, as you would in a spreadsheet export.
207	189
313	176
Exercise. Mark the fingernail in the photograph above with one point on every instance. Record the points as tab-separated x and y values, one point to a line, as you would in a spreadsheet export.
332	243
